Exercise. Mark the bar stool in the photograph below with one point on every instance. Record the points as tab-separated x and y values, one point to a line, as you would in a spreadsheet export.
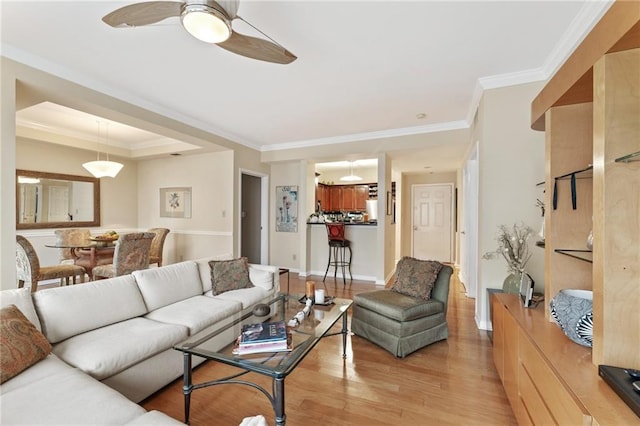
337	247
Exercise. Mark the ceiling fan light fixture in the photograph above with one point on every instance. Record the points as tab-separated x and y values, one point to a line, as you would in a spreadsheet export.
205	23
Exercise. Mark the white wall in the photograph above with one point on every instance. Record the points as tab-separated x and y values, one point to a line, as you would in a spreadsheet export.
511	162
285	247
209	230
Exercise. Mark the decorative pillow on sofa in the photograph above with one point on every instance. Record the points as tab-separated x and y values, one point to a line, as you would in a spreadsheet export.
229	275
415	277
21	344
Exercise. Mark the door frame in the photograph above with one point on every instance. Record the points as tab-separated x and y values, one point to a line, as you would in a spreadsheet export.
264	213
451	219
468	272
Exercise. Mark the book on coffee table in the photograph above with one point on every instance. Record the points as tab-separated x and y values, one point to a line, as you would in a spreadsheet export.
263	337
263	332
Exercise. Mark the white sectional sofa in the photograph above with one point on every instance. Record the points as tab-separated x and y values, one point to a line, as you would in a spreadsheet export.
113	342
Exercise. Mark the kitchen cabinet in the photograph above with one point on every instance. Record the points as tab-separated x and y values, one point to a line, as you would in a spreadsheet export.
343	197
322	195
361	195
335	195
348	198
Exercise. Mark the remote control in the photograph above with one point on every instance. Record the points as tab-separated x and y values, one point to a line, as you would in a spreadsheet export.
633	373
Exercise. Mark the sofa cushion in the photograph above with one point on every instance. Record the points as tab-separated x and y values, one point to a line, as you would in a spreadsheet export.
67	397
168	284
205	270
227	275
397	306
67	311
246	296
108	350
261	277
415	277
21	297
48	366
196	313
21	344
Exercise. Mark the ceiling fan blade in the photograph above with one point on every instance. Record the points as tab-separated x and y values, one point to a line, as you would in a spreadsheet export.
230	6
138	14
257	48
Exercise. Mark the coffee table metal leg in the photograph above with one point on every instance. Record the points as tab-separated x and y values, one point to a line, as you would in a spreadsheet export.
278	401
344	334
187	387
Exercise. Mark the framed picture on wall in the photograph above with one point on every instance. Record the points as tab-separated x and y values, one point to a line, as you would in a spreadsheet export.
287	208
175	202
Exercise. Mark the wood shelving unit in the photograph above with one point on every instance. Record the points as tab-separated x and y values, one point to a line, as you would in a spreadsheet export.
589	111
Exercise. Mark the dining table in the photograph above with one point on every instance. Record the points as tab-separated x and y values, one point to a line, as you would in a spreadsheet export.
89	253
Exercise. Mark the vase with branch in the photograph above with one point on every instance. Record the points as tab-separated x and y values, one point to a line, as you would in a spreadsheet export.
513	246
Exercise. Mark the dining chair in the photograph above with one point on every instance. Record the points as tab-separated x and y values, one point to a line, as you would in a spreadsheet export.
157	245
29	271
131	254
68	237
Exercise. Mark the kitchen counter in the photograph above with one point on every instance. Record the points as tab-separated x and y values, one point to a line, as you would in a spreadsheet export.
364	244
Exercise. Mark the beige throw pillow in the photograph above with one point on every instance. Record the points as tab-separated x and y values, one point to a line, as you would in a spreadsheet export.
229	275
21	344
415	277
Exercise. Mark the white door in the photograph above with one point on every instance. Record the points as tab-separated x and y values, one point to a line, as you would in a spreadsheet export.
469	233
58	204
432	236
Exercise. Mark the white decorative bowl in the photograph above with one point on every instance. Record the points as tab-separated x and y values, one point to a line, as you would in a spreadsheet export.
572	310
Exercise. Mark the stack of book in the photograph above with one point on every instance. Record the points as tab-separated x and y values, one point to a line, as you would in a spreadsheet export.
263	337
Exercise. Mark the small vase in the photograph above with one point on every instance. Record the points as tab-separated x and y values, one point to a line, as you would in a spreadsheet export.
511	284
590	240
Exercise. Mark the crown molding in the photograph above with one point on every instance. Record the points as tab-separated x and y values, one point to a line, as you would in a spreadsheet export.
59	71
406	131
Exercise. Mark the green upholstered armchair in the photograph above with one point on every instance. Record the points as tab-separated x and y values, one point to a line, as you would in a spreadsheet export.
400	323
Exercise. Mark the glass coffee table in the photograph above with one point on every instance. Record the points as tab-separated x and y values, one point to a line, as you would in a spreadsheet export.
217	343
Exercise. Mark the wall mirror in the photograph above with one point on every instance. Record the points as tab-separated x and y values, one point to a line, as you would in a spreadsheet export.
54	200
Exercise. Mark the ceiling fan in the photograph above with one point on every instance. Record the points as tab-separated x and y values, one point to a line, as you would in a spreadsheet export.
208	21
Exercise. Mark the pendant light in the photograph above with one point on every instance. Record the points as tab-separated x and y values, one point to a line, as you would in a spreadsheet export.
351	177
103	168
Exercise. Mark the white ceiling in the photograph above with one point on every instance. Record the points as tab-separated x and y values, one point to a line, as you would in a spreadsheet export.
365	69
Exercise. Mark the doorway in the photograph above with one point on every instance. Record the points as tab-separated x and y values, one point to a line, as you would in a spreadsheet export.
432	222
469	234
253	218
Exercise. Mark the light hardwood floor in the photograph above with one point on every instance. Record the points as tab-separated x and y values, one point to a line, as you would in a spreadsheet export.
452	382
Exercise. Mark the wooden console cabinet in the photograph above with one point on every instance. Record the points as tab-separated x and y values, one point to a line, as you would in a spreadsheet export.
548	379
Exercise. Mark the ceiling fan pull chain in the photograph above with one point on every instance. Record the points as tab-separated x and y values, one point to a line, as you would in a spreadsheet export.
258	30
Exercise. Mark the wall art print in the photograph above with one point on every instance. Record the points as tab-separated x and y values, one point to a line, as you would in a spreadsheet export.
287	208
175	202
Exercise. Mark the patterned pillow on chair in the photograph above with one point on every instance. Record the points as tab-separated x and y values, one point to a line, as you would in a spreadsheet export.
415	277
229	275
